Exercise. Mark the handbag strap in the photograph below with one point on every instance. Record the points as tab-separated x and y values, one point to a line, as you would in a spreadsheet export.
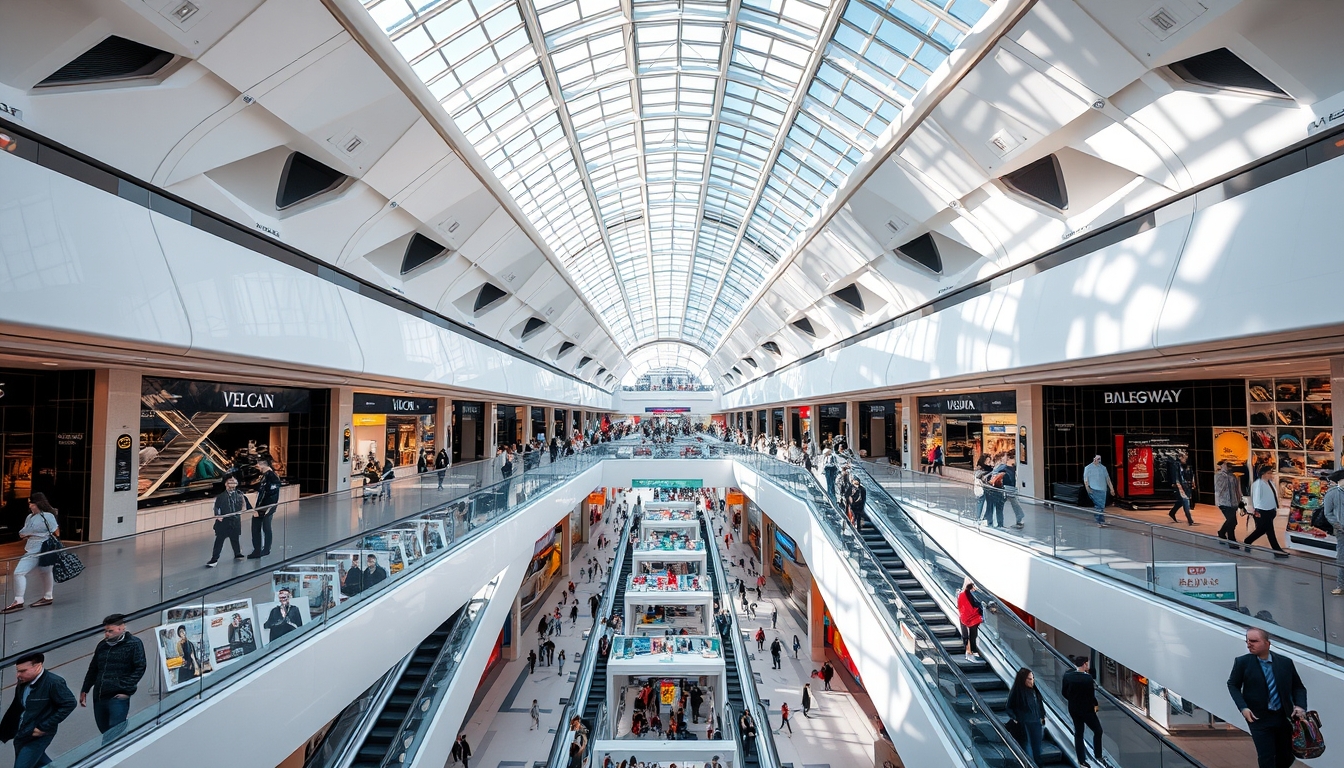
50	532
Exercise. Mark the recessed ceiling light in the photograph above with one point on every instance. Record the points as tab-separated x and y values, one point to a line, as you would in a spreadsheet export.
50	363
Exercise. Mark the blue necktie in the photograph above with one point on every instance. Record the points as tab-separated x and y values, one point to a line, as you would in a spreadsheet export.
1267	667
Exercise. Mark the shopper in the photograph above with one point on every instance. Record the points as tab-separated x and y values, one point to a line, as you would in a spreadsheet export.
41	701
807	699
796	646
776	650
1265	507
784	718
1266	688
115	671
858	499
1007	468
1333	510
574	614
979	478
774	613
535	711
1026	710
994	498
462	751
830	466
268	495
827	672
760	638
561	659
532	661
747	727
39	526
1227	497
385	480
1080	691
971	617
441	462
229	508
1098	482
1182	479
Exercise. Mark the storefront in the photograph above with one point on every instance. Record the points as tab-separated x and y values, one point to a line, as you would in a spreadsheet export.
46	418
1290	430
836	643
831	422
510	421
541	569
761	428
392	427
879	424
193	433
787	563
558	429
753	534
468	431
967	425
777	423
1137	428
539	423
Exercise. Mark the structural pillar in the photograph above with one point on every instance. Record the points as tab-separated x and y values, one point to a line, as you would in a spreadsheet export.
788	424
341	426
511	651
491	427
816	626
852	425
565	547
767	543
443	427
1031	441
1337	405
909	436
116	419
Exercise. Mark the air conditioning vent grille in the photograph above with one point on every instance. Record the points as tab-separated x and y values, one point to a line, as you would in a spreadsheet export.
489	294
851	296
303	179
1042	181
564	347
533	325
924	252
772	348
115	58
420	251
1221	68
805	325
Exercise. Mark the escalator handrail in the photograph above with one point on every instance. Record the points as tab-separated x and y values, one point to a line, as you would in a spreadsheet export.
378	695
933	647
583	680
895	539
746	678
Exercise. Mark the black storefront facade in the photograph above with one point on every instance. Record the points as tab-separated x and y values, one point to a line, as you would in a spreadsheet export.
195	433
46	419
879	423
1135	427
469	427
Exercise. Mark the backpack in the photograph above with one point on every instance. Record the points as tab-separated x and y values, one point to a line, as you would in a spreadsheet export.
1308	743
996	479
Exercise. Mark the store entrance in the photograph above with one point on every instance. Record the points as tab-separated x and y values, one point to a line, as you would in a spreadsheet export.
468	431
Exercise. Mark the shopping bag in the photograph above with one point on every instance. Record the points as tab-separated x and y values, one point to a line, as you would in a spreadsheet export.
1308	743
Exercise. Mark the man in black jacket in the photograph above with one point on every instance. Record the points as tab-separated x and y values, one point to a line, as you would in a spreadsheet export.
462	750
1080	691
374	574
284	618
41	701
353	583
1182	479
115	671
268	495
1264	686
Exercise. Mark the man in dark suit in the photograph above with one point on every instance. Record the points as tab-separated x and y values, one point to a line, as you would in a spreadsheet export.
1264	686
284	618
41	701
1080	691
374	573
353	583
268	496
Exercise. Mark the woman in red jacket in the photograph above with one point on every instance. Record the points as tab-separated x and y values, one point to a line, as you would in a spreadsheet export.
971	618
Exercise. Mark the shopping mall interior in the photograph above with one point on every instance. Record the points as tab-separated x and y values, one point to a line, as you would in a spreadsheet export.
691	383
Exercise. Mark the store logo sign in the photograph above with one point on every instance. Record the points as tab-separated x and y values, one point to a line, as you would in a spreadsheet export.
960	405
1144	397
401	405
249	400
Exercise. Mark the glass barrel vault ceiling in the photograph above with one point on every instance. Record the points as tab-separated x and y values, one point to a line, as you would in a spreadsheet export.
670	152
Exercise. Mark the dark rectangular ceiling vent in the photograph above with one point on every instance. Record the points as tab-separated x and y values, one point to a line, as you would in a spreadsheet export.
1221	68
924	252
737	370
584	361
851	296
750	361
303	179
772	348
115	58
564	347
610	378
533	325
1041	180
488	295
420	251
805	325
728	377
600	371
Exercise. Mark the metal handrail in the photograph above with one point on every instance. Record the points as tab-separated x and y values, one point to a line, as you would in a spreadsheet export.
895	538
584	679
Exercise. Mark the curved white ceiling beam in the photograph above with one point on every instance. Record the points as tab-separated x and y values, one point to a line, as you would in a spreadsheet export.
661	354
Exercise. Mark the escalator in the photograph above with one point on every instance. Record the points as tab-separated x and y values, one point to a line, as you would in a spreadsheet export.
387	722
597	689
991	687
731	640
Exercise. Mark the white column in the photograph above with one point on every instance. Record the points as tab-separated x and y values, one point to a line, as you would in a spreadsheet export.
909	437
489	426
852	425
116	415
1337	405
788	423
1031	414
341	428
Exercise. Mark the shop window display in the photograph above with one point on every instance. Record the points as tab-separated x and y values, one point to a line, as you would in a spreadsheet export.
1290	431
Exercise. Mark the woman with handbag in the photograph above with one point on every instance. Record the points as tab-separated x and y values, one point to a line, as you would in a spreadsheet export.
38	527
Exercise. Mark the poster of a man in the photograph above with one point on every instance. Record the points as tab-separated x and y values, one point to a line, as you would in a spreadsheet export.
231	631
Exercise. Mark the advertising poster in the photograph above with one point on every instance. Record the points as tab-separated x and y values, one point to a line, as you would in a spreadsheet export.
393	543
314	586
1139	477
231	631
432	535
184	649
1215	582
354	571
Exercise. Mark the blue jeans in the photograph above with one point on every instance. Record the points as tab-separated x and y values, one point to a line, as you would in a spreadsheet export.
30	752
1182	502
1034	735
830	480
1098	503
994	508
1011	496
110	714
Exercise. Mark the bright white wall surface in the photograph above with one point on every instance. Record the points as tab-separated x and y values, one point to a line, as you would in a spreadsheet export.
699	403
291	697
1205	275
1190	653
78	263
